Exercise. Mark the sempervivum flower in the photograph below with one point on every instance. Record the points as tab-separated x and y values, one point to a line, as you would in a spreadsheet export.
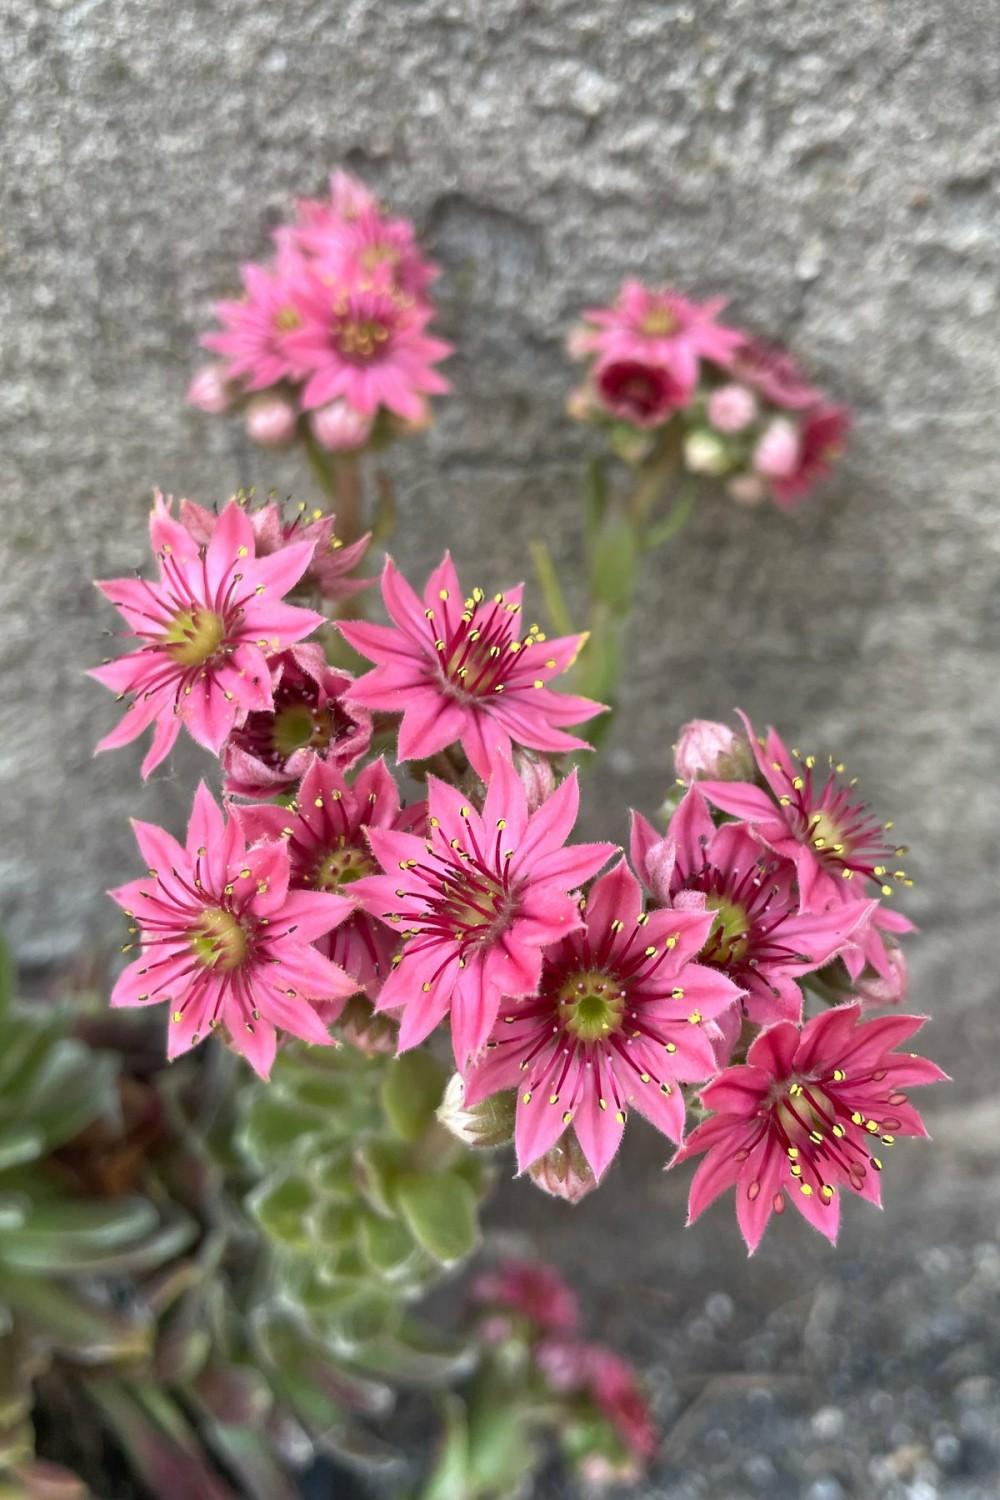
818	823
254	341
532	1290
367	345
759	939
272	749
325	834
806	1115
458	669
367	249
773	373
572	1366
332	561
476	903
636	391
617	1021
208	628
224	941
660	328
822	437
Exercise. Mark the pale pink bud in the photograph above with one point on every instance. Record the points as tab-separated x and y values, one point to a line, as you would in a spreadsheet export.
564	1172
731	408
271	421
210	391
580	404
746	489
339	428
777	454
706	453
537	777
874	989
579	341
701	745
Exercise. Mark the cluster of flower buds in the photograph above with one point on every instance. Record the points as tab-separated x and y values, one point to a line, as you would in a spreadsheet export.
329	337
661	367
572	996
531	1320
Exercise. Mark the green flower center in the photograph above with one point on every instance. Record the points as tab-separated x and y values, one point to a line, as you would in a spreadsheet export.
824	833
591	1004
219	941
194	635
342	866
299	725
728	940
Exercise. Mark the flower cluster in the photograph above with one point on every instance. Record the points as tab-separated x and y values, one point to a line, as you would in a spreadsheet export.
528	1314
576	995
329	338
663	368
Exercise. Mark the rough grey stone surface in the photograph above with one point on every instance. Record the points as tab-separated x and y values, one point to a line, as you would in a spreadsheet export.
836	169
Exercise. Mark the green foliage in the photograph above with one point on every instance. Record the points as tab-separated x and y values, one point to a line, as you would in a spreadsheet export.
363	1197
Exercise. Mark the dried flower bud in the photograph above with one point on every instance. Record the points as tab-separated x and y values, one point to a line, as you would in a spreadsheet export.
706	453
731	408
210	391
485	1125
777	454
339	428
271	420
713	751
537	776
564	1172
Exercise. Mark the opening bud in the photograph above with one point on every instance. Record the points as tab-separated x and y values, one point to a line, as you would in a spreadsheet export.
564	1172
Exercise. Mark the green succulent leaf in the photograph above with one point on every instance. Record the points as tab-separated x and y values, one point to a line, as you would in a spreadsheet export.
411	1092
62	1235
441	1213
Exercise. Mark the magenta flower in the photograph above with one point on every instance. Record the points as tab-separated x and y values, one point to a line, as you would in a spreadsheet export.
617	1021
366	345
476	903
759	939
531	1290
208	628
635	391
270	752
459	671
804	1116
829	835
822	438
348	199
326	835
661	328
332	561
224	941
256	328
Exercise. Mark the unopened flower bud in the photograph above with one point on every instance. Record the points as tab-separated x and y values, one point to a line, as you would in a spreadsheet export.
777	454
271	421
339	428
713	751
210	391
731	408
706	453
485	1125
579	341
580	404
564	1172
746	489
537	776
